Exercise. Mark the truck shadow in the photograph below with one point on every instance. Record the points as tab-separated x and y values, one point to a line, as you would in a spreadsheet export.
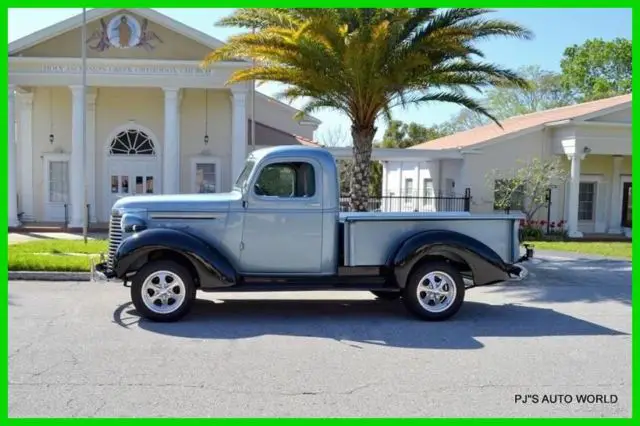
363	322
582	279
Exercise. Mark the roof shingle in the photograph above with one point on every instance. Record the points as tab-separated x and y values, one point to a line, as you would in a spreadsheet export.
522	122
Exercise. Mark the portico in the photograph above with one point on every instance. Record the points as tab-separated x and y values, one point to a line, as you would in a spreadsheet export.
100	79
598	191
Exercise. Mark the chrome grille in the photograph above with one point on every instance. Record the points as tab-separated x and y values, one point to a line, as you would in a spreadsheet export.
115	237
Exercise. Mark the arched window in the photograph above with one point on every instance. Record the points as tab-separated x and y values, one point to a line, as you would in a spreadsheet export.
132	142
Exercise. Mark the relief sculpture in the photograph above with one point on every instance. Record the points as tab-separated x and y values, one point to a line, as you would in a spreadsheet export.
123	32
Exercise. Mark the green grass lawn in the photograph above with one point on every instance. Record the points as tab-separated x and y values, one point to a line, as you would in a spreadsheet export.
55	255
609	249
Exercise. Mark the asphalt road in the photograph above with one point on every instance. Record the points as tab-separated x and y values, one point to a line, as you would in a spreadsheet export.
78	349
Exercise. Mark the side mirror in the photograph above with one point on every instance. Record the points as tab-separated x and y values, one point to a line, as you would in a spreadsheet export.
245	194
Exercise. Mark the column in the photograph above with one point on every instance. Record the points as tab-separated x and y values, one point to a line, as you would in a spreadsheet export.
13	192
171	155
418	201
25	154
574	190
385	187
396	205
615	203
238	132
90	146
385	175
463	177
76	166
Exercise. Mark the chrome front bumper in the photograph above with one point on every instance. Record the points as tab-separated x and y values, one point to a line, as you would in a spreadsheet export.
100	272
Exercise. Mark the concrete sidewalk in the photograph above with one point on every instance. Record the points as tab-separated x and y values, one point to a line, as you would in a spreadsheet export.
16	238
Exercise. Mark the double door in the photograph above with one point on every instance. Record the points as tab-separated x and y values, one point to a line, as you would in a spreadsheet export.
131	178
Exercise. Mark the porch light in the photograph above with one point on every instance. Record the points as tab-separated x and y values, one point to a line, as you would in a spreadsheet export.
206	139
51	138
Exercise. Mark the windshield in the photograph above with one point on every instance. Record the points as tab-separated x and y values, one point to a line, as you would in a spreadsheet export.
244	176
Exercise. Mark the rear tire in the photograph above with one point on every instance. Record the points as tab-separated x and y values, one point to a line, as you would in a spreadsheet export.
163	291
387	295
434	291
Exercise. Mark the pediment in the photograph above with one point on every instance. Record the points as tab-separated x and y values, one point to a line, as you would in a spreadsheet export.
622	116
119	34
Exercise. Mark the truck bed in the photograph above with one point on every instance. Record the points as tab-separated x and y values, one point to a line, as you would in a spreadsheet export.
367	237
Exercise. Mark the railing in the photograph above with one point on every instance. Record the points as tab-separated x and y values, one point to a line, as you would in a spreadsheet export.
409	203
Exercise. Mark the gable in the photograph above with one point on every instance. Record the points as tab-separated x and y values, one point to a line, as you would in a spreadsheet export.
149	40
622	116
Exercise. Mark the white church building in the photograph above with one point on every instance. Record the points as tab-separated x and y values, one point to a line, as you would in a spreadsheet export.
156	122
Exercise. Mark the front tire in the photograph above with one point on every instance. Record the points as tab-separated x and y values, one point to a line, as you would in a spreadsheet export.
163	291
434	291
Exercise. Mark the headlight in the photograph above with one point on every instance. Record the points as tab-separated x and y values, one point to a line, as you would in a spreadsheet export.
132	223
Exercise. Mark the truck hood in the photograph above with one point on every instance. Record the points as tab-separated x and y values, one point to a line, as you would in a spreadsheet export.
181	203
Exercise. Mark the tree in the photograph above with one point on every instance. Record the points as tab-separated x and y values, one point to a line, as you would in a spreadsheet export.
525	188
375	182
597	69
404	135
338	136
544	91
364	62
464	120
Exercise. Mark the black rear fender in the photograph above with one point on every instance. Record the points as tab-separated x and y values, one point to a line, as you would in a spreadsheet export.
211	268
464	252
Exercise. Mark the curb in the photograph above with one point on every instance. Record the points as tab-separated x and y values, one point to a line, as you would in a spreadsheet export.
48	276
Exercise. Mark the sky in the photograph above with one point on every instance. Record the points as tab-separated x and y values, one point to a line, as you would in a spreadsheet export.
554	30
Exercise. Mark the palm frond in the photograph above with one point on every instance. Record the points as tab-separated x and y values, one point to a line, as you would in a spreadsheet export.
363	62
459	99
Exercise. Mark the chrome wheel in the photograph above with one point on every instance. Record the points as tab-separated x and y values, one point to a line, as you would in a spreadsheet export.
163	292
436	291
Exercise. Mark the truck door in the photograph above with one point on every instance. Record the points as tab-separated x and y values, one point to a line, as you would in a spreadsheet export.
282	231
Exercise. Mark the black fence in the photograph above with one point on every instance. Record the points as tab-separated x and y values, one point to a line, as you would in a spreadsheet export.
408	203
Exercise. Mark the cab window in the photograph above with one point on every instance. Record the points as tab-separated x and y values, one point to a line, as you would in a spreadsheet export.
286	180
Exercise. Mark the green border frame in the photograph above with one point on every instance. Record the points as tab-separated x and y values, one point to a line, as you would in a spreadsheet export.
323	3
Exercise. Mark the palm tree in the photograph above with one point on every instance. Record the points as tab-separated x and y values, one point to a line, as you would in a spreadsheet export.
364	62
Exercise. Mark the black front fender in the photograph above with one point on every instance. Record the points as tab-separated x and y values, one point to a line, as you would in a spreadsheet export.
208	261
485	264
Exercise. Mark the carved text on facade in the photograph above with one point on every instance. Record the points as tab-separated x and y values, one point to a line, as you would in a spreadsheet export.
125	69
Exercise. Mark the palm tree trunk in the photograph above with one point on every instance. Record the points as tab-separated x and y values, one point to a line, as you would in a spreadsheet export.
360	173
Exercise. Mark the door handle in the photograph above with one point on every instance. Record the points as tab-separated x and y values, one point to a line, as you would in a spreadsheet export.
313	204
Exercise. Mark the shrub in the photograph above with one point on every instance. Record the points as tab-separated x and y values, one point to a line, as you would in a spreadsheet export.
536	230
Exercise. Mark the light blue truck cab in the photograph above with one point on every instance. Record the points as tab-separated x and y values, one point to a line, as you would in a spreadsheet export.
281	229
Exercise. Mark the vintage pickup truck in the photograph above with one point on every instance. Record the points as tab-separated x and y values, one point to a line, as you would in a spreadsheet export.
281	229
